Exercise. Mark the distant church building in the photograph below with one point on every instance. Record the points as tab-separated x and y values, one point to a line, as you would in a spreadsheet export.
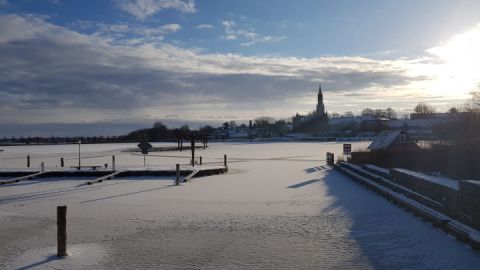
320	106
313	122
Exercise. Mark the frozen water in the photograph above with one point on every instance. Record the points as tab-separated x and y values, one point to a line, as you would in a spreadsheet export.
278	207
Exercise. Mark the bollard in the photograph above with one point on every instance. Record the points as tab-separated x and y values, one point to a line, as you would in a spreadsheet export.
225	160
28	161
192	146
113	163
42	166
177	181
61	231
62	163
200	160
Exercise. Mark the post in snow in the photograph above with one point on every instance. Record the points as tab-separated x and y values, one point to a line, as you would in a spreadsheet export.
177	181
192	146
61	231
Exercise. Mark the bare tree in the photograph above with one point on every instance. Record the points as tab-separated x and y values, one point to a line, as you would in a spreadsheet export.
368	112
334	115
390	113
422	110
348	114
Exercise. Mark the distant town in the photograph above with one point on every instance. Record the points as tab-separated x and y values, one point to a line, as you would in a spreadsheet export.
425	123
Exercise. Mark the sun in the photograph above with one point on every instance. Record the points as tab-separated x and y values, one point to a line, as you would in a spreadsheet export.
459	68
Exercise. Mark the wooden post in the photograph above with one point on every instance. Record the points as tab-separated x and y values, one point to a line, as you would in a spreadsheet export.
177	181
113	163
28	161
225	160
79	164
62	162
200	160
42	166
61	231
192	146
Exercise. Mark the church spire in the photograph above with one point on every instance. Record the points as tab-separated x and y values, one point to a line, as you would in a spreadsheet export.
320	105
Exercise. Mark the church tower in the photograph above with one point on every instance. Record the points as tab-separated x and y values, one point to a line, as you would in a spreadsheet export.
320	105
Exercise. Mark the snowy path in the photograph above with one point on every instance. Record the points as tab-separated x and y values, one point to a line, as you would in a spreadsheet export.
277	208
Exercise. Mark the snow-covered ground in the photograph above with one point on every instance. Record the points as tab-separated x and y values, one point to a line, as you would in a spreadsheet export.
278	207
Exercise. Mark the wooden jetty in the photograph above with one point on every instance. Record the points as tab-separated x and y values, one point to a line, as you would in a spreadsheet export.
22	178
188	172
104	178
192	174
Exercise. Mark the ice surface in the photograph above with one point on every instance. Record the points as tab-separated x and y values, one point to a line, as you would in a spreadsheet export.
278	207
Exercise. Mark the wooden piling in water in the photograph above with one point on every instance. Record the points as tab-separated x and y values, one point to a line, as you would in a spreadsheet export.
62	163
200	160
113	163
28	161
225	160
61	231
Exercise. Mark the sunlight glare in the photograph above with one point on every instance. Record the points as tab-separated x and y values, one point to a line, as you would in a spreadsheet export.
461	62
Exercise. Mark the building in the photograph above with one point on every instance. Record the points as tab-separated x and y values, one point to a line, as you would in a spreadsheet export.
393	140
312	122
320	106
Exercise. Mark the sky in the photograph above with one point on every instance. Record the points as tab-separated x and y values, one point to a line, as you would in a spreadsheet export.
82	67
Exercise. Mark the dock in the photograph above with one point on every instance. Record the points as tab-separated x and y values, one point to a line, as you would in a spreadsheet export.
22	178
101	176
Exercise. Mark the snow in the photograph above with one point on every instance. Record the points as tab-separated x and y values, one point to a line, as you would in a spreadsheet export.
400	187
384	139
80	256
454	224
376	168
443	181
278	207
475	182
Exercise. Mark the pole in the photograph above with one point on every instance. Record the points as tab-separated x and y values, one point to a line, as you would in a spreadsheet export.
200	160
192	145
61	231
144	160
62	162
42	166
28	161
177	181
225	160
79	163
113	163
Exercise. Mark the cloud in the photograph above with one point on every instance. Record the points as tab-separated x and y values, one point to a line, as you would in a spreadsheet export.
4	3
250	37
50	74
141	9
133	34
204	26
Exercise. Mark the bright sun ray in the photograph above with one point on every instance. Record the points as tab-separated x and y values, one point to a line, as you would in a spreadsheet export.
459	72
